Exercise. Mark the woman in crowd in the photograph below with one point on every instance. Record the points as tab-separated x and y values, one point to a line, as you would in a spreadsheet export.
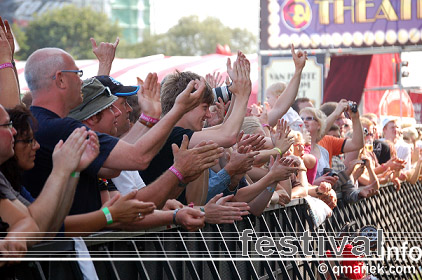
314	120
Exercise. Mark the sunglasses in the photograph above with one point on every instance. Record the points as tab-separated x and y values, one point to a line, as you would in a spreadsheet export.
366	132
308	119
106	92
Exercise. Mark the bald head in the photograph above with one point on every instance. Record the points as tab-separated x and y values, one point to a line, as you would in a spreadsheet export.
42	65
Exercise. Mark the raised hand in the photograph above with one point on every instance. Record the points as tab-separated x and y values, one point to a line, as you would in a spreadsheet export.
149	96
67	155
92	150
256	141
240	75
105	51
299	58
219	210
280	169
281	138
192	162
214	80
5	51
241	161
9	35
218	112
190	219
191	96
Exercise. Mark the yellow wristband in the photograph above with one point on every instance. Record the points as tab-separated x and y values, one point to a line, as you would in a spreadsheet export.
278	150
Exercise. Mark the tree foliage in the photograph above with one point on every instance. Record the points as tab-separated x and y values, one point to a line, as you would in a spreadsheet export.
192	37
68	28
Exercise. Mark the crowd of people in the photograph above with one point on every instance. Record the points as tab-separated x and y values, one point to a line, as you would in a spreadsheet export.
82	155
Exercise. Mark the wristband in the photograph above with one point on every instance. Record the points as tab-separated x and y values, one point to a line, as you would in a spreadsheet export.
174	216
75	174
107	215
271	189
278	150
6	65
148	119
177	173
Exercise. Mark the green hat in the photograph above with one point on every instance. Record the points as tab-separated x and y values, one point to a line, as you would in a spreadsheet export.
96	98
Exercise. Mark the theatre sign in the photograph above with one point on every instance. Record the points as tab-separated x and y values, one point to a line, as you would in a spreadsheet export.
321	24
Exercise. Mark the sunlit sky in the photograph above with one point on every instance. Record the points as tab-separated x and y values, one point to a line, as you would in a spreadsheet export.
234	13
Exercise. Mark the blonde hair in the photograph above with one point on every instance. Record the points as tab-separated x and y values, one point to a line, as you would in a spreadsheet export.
320	117
251	124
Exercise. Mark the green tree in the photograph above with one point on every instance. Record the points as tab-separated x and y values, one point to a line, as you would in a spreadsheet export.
68	28
192	37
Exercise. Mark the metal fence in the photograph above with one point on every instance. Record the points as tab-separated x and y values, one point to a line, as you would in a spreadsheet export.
215	252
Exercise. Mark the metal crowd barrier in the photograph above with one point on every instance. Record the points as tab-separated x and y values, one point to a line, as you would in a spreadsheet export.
215	252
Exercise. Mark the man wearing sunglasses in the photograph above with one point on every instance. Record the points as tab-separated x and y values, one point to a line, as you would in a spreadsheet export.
53	99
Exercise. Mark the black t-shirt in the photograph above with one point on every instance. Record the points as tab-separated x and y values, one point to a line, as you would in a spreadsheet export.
164	159
382	151
51	128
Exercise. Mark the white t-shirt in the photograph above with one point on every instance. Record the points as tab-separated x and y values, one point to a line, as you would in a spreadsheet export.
128	181
404	152
293	119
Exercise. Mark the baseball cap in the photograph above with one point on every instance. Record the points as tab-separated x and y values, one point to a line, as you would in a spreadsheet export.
388	119
96	97
116	87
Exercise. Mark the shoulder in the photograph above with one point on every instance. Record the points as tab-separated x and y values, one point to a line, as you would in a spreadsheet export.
176	135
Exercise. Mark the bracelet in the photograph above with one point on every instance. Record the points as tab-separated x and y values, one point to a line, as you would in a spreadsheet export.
202	209
177	173
174	216
75	174
148	118
6	65
278	150
108	215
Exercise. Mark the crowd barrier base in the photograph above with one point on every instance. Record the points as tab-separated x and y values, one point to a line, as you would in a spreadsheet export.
217	252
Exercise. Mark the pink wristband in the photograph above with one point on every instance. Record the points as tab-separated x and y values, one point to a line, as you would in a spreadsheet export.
6	65
148	119
177	173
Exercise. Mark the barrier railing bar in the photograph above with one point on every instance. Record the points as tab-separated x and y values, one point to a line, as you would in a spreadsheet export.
189	263
282	234
142	270
232	266
166	264
248	261
264	261
211	264
281	264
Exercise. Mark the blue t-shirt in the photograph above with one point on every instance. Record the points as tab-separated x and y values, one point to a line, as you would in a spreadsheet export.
51	128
